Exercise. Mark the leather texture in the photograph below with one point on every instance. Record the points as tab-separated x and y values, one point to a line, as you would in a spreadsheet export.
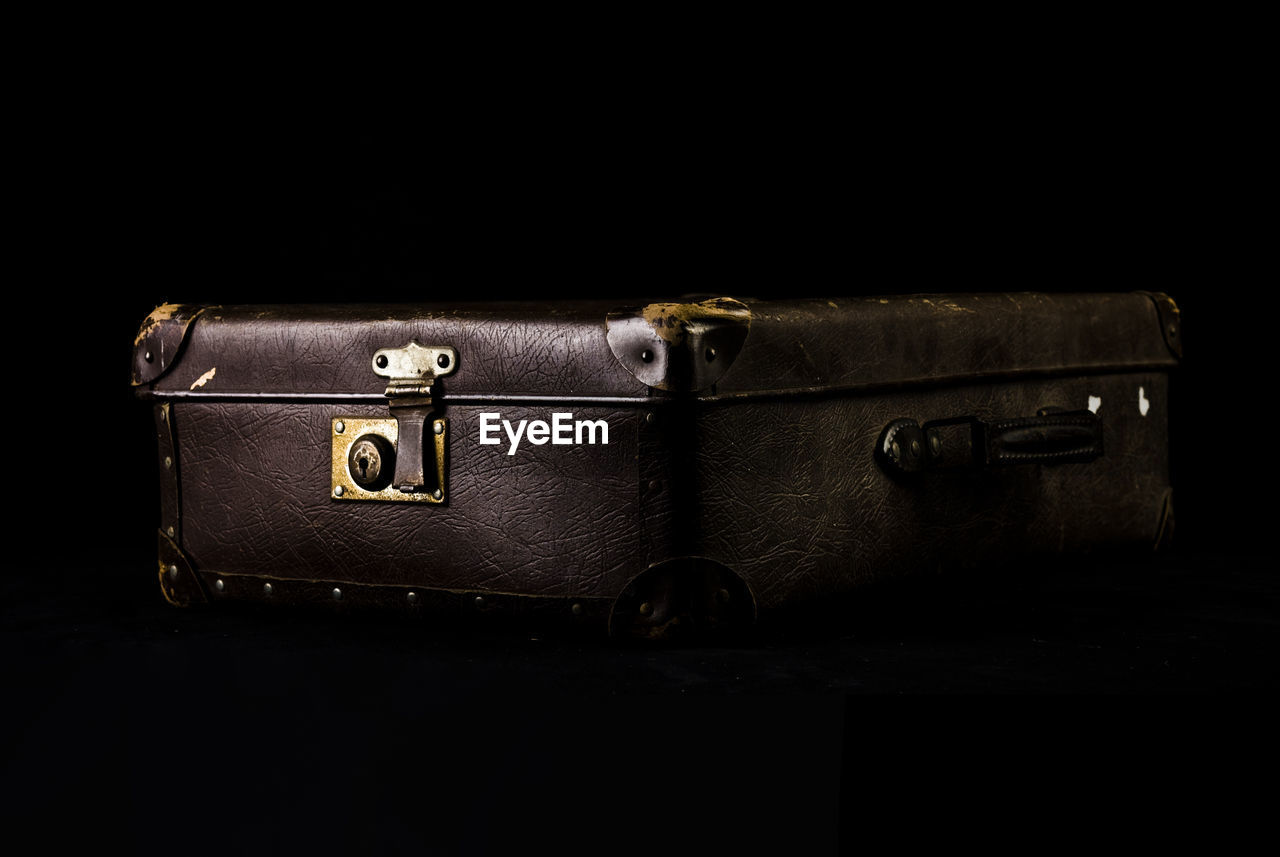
517	349
789	496
872	343
769	473
564	350
550	520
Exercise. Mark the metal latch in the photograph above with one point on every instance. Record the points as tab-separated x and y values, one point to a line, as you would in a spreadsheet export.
388	459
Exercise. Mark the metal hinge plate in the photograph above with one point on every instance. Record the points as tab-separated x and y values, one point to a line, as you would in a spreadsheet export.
411	369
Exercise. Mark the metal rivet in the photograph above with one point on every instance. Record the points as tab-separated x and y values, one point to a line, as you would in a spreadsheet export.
895	450
148	357
413	597
337	594
339	426
653	484
173	572
935	444
267	588
479	600
443	361
915	447
171	532
439	427
164	416
711	354
577	609
646	608
168	462
723	596
436	494
1173	330
337	491
219	585
650	417
646	356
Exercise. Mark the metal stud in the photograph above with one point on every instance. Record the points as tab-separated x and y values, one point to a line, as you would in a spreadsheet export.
219	585
895	450
711	354
915	447
339	427
479	601
935	444
337	491
646	356
412	597
164	416
436	494
149	357
646	608
337	594
650	417
577	609
439	427
171	532
653	484
168	463
267	589
723	596
173	572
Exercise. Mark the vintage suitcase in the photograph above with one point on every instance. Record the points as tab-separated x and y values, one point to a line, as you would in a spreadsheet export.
658	469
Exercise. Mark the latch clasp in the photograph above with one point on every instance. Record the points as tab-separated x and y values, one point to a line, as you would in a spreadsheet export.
411	372
399	458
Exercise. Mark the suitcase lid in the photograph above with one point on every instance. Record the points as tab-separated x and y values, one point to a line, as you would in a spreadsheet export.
719	347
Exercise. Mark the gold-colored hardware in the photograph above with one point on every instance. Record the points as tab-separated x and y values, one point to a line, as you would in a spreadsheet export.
355	428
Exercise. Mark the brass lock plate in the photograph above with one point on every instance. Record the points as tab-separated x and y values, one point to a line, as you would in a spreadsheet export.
347	431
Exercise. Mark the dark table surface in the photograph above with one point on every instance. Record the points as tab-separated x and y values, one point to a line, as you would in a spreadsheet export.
314	729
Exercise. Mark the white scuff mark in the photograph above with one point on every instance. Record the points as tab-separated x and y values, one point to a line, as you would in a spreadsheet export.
205	378
1143	404
1095	402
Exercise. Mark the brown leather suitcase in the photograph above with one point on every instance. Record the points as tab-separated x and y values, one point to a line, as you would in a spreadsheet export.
658	469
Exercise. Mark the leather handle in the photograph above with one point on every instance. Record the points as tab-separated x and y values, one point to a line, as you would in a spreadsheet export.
1052	436
1042	439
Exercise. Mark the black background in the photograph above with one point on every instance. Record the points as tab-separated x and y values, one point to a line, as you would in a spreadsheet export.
252	731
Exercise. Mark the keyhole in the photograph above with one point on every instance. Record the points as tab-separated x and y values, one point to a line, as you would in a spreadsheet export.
371	461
